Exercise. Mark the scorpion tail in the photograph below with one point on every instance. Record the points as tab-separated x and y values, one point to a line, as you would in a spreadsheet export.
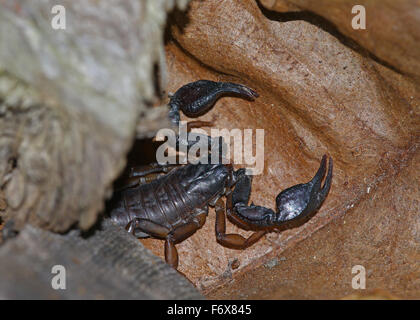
196	98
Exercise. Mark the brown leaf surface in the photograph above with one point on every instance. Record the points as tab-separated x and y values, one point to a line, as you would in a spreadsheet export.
392	27
317	96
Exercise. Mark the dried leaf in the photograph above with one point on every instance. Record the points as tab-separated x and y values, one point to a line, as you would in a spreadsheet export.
317	95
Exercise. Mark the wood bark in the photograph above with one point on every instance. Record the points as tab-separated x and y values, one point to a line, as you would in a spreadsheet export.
108	264
71	102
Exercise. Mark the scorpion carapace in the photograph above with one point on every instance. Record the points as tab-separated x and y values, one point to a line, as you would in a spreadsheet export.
171	202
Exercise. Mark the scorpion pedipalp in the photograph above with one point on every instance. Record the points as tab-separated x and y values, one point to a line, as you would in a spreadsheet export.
171	202
294	205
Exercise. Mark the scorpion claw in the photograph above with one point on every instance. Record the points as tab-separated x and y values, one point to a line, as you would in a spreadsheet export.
295	204
316	180
196	98
255	215
302	200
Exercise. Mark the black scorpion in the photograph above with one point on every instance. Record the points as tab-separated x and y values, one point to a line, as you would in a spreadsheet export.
174	205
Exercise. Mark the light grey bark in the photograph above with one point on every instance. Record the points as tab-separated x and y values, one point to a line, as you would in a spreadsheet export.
72	101
108	264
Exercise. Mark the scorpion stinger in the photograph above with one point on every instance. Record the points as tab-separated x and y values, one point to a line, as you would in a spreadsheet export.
294	205
171	202
196	98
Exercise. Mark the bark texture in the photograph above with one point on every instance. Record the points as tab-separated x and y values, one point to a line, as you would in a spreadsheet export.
109	264
70	101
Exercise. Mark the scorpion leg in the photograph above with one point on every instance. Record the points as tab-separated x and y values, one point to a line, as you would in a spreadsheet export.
186	230
233	241
143	174
295	205
142	171
232	217
242	193
171	254
198	124
147	226
157	231
171	257
181	233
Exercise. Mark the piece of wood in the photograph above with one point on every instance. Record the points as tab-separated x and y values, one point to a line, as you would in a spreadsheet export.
107	264
72	101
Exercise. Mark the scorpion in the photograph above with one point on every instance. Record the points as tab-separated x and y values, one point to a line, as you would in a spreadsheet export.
171	202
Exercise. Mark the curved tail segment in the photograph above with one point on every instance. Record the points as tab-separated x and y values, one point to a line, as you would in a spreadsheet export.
294	205
196	98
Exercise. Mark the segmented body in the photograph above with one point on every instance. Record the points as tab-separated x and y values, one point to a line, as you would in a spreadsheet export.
172	199
173	206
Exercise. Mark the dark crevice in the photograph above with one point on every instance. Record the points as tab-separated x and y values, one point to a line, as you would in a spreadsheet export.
8	231
143	152
157	75
181	20
13	162
176	17
327	26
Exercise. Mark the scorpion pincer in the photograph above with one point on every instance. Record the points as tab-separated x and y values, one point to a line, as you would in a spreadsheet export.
171	202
